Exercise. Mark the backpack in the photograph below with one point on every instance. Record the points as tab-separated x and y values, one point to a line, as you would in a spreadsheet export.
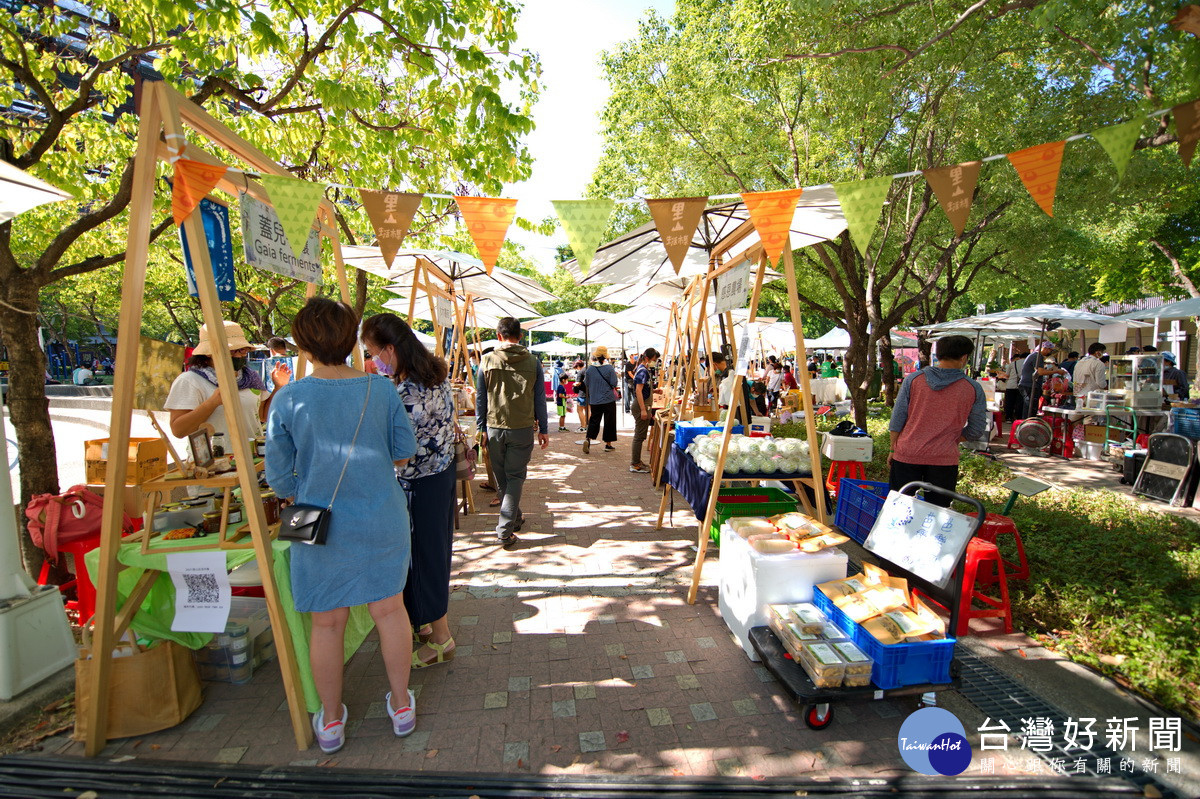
68	517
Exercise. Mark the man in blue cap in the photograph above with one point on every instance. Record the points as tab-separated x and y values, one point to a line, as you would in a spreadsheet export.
1175	380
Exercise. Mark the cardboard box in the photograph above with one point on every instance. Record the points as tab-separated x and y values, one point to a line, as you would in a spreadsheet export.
147	460
1093	433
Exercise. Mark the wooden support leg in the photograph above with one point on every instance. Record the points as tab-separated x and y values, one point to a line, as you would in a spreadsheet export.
662	506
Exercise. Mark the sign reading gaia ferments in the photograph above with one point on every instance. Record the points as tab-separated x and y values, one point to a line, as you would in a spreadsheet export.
267	246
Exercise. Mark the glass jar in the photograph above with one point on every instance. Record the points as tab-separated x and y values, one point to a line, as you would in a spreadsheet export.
211	523
271	507
260	447
218	445
235	513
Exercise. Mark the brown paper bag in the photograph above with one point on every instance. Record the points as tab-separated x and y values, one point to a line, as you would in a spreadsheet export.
151	690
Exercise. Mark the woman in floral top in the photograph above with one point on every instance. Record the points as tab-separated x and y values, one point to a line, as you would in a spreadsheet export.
423	385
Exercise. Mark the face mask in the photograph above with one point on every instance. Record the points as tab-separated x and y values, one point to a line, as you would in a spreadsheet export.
239	362
381	365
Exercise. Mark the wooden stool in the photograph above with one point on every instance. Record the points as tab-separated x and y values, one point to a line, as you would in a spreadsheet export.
855	470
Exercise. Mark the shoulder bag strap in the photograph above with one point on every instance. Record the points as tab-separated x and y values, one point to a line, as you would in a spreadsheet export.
353	441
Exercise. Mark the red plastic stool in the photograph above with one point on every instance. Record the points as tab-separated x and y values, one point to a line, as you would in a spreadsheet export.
855	470
85	592
979	552
995	525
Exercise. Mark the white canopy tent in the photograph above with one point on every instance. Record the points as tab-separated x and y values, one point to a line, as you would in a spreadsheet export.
1172	310
839	339
20	192
466	272
556	346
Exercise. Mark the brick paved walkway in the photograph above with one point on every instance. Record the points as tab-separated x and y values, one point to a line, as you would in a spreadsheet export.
577	652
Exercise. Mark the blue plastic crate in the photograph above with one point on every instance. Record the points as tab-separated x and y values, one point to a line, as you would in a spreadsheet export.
896	665
858	506
1186	422
686	431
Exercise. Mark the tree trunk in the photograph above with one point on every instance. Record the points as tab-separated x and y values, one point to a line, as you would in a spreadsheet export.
29	410
887	364
857	373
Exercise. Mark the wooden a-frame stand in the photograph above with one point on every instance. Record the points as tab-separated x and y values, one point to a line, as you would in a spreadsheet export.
161	135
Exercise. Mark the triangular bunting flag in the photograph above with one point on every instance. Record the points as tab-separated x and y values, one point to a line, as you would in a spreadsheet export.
584	222
193	181
391	213
954	187
1117	141
1187	129
861	201
295	202
676	219
1038	168
487	221
772	212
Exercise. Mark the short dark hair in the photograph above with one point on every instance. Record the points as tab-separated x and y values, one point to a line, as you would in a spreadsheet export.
954	347
508	327
413	361
759	386
200	362
717	357
1072	354
1096	347
1149	348
326	329
650	354
277	343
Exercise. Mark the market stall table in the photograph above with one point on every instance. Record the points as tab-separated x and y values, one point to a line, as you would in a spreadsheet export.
1063	422
828	390
154	615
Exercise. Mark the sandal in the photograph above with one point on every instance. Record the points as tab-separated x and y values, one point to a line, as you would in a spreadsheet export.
495	503
442	653
487	486
422	633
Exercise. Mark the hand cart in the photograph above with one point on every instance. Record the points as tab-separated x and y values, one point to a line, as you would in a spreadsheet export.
818	702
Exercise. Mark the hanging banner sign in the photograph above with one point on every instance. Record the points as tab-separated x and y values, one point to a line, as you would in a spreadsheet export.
743	353
215	216
1038	168
391	214
954	187
584	222
733	289
266	245
772	212
676	219
192	182
295	202
487	220
862	200
1118	141
443	309
1187	129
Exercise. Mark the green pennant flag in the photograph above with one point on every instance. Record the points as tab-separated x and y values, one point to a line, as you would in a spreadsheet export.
1118	140
584	222
861	202
295	202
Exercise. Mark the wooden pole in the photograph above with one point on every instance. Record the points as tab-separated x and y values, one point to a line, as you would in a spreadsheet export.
810	422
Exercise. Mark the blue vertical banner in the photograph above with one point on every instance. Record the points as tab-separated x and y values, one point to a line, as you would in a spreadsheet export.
215	216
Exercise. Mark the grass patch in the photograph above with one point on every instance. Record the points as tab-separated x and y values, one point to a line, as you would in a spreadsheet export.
1112	584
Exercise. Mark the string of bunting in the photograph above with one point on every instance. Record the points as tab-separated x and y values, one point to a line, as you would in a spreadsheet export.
584	221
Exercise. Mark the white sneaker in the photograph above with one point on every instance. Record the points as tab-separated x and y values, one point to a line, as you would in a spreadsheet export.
332	736
404	720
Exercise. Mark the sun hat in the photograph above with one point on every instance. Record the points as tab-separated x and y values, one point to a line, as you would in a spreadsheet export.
600	352
1169	356
233	334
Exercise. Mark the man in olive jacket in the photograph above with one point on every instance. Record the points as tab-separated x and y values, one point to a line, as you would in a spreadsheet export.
510	397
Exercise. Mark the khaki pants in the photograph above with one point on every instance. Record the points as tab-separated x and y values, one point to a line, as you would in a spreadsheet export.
641	428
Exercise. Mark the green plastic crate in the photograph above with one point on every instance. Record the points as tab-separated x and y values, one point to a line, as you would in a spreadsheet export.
776	501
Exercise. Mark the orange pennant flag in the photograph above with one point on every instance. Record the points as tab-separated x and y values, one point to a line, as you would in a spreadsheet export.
772	212
676	219
193	181
1038	168
487	221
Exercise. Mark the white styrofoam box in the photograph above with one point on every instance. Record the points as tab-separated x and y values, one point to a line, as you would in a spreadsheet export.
989	388
1090	450
35	640
847	448
750	580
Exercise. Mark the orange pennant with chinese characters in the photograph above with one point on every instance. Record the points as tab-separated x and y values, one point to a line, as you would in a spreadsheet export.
1187	129
772	212
1038	168
676	219
487	221
193	181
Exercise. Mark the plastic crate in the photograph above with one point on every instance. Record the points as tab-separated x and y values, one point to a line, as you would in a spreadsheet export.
858	506
1186	422
744	502
895	665
686	431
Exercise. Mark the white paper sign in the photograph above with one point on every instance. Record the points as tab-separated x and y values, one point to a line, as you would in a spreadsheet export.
733	288
444	311
267	247
1114	333
925	539
202	593
743	361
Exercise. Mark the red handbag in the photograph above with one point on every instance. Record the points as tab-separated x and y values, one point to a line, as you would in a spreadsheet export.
71	516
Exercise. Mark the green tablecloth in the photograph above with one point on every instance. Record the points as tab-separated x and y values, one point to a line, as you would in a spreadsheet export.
153	619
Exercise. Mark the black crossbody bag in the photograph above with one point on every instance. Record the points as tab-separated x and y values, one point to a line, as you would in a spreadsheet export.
309	524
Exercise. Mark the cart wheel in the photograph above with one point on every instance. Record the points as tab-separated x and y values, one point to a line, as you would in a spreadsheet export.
816	719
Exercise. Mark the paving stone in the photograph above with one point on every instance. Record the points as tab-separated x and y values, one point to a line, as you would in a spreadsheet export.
205	723
558	642
376	710
729	767
592	742
659	716
687	682
464	651
643	672
468	621
563	708
312	761
231	754
745	707
614	650
763	674
707	642
518	751
703	711
585	692
502	638
520	683
416	741
606	618
676	656
885	710
495	699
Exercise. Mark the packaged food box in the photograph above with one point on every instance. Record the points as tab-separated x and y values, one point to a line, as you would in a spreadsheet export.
807	617
746	526
771	544
858	663
896	626
822	663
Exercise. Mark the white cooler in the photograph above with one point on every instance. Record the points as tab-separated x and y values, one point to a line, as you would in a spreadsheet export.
750	580
847	448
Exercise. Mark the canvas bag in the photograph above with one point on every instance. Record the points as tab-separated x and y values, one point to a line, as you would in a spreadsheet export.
464	457
151	690
71	516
